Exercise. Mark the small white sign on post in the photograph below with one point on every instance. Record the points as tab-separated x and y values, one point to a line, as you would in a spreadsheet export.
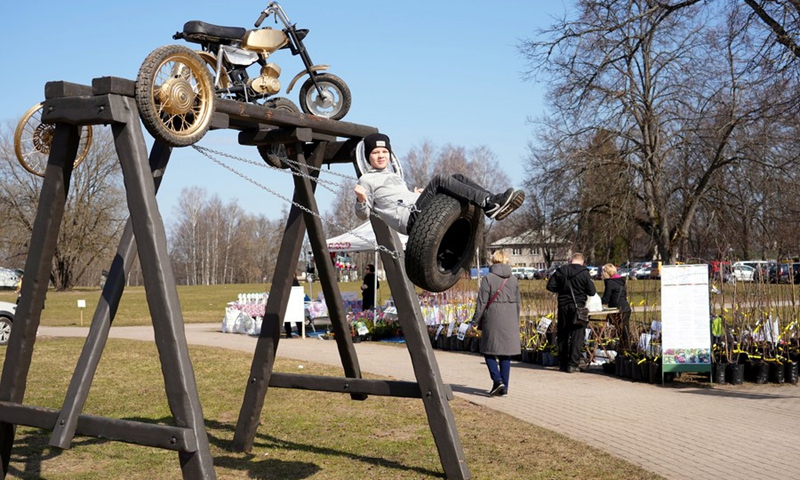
81	305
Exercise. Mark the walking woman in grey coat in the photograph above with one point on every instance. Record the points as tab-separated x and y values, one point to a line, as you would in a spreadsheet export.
497	317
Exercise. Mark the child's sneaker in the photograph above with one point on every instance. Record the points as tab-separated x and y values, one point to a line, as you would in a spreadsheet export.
500	206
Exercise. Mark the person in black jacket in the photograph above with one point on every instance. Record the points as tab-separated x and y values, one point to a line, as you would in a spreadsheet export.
368	289
573	284
615	295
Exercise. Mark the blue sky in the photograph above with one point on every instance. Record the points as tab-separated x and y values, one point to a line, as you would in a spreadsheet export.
444	71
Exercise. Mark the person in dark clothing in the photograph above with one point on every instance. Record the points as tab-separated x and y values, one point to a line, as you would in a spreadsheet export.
368	289
615	295
287	326
497	316
573	284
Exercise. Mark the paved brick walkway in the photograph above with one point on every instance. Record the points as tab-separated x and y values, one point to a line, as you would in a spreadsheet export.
745	432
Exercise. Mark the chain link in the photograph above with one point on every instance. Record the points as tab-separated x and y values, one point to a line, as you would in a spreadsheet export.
295	169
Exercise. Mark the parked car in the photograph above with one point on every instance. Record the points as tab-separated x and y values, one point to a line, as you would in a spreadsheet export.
7	311
785	273
518	272
642	273
530	273
760	270
742	273
625	272
8	278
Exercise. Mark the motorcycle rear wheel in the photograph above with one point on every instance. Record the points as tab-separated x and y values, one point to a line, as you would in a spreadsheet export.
32	140
274	153
335	101
175	95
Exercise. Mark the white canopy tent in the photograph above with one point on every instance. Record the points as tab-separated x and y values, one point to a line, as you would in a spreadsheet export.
360	239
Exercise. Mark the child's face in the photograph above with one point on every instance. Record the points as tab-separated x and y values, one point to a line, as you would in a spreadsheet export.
379	158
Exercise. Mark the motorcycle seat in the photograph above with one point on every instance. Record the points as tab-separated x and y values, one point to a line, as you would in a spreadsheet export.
202	32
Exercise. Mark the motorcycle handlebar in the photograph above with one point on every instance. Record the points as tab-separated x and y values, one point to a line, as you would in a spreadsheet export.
261	18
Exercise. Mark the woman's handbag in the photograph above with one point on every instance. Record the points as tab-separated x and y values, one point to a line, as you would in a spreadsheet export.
480	322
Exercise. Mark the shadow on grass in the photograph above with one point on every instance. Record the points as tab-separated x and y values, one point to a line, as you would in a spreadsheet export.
32	448
296	469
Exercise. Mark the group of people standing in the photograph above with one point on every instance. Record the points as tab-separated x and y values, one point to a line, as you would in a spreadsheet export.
497	314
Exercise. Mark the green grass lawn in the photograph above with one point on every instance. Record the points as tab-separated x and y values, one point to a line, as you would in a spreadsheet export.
303	434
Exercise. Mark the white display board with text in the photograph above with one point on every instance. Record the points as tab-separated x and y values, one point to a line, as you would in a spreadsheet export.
685	313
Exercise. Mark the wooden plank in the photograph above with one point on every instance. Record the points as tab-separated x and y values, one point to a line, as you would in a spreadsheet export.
338	152
113	85
140	433
275	135
241	111
87	110
63	89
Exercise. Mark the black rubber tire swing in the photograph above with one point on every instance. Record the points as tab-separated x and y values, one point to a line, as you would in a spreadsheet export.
442	242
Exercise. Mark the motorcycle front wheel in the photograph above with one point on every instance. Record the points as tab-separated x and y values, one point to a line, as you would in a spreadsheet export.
334	103
175	95
32	140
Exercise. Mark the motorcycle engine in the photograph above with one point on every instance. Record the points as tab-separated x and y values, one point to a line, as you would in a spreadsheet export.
267	83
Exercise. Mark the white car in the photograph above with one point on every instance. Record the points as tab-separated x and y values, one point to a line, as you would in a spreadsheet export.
742	273
7	311
8	278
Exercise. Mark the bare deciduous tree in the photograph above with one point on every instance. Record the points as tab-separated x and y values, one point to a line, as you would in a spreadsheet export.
676	89
93	218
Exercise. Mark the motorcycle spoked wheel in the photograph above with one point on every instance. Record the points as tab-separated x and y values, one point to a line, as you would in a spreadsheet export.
32	140
441	243
175	95
273	153
335	101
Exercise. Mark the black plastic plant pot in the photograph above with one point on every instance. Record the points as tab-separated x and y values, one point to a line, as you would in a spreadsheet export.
734	373
719	373
776	372
790	371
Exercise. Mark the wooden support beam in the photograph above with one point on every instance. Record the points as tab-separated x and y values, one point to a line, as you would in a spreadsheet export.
140	433
241	111
275	135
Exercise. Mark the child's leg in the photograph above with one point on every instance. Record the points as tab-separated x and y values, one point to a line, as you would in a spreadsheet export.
456	186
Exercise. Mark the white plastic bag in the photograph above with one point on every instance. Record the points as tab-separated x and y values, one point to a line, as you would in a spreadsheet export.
594	303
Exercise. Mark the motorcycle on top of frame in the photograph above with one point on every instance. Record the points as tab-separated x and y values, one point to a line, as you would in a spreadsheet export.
176	87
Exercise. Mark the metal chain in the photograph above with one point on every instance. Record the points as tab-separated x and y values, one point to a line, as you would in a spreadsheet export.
207	152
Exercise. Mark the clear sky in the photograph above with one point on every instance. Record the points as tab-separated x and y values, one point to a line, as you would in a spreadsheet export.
445	71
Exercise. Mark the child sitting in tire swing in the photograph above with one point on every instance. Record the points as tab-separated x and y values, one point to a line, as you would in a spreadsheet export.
384	191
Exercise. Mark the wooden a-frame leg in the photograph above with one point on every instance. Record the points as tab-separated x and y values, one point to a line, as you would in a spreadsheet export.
162	294
264	357
426	370
78	391
44	237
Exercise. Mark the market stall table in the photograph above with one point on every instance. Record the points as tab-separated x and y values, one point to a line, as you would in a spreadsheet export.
602	332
